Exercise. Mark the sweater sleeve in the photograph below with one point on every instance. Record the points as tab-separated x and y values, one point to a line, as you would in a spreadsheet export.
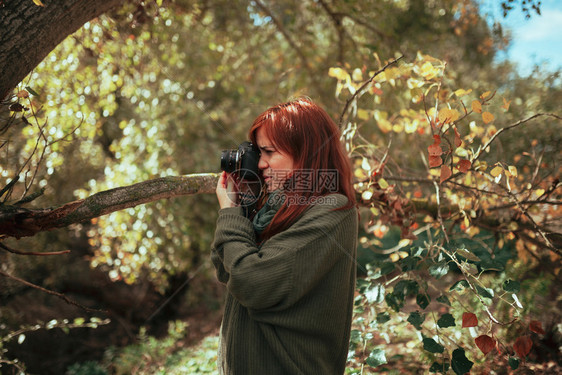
286	266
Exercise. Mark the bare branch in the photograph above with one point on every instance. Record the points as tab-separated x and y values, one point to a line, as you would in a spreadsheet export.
518	123
20	222
51	292
35	253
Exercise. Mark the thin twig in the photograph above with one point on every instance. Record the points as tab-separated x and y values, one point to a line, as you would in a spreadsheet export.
518	123
51	292
35	253
364	85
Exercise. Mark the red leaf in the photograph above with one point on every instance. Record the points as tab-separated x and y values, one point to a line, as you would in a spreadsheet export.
469	320
458	141
536	327
485	343
445	173
522	346
435	161
464	165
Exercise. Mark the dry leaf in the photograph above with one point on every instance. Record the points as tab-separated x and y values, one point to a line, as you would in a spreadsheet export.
485	343
522	346
487	117
469	320
476	106
445	173
464	165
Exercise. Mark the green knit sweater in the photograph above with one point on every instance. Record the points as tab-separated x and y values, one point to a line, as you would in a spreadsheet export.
289	302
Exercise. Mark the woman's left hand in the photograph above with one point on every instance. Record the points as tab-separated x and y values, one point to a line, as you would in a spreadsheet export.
227	193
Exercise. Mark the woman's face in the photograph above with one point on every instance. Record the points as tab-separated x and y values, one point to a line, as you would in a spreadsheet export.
275	165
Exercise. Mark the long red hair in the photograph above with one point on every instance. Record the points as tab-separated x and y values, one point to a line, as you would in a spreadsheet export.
305	131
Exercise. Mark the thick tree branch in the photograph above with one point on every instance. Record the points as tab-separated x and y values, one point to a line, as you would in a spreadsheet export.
20	222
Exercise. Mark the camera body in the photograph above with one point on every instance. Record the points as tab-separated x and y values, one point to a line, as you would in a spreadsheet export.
242	161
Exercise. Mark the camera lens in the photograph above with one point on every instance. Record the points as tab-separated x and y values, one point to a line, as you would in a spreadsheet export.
229	160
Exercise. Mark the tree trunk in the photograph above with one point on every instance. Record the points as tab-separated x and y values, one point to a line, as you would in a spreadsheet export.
29	32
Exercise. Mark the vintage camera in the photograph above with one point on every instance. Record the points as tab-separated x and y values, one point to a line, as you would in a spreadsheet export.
242	161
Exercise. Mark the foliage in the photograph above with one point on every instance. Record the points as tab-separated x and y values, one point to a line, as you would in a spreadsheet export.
164	356
456	161
448	267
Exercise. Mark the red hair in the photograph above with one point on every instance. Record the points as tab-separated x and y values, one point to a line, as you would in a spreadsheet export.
305	131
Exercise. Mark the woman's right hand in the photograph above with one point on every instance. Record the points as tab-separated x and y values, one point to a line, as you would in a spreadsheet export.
226	191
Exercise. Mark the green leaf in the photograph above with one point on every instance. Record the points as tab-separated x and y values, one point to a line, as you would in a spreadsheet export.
432	346
383	318
439	367
513	363
446	320
416	319
460	364
459	285
31	91
395	301
511	286
375	294
468	255
406	287
485	292
387	267
492	265
376	358
409	263
439	270
422	300
362	285
443	299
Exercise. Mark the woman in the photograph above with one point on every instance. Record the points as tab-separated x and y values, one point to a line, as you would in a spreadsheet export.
290	271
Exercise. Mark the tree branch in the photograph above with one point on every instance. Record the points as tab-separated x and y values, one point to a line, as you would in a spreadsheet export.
20	222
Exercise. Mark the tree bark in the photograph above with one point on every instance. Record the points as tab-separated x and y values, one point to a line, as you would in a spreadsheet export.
20	222
29	32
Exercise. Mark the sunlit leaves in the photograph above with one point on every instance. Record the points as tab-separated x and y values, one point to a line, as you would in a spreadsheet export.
376	358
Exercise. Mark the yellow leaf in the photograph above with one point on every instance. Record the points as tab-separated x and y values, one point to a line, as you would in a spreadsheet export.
462	92
487	117
338	73
477	106
428	71
38	3
485	95
362	114
496	171
382	183
447	115
512	170
506	104
539	192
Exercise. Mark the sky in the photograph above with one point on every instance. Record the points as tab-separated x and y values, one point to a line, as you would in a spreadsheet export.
536	40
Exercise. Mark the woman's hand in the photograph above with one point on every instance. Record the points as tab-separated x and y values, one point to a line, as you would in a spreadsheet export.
227	193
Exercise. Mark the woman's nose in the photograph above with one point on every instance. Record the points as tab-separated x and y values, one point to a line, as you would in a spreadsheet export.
262	164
